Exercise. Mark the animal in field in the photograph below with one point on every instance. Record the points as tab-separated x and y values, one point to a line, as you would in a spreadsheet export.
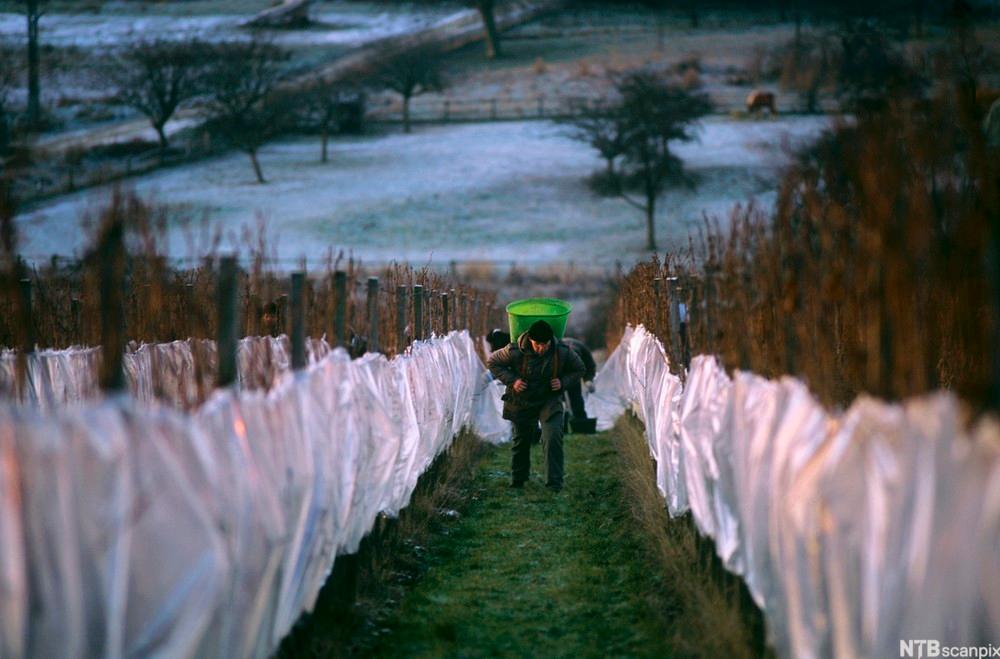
759	100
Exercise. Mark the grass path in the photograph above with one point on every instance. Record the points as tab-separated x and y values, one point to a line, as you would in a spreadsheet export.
532	573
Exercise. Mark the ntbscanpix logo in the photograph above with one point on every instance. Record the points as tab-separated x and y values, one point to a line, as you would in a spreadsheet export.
929	649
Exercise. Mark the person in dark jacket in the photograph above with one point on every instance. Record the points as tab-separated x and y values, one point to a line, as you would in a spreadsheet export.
536	370
575	391
498	339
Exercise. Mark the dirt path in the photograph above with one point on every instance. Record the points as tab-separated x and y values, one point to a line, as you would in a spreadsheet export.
532	573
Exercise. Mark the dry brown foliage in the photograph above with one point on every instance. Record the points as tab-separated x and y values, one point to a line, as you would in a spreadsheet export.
164	303
879	271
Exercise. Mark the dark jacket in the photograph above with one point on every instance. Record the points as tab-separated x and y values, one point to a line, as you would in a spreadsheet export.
520	361
589	366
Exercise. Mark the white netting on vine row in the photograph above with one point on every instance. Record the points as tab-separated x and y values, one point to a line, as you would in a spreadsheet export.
129	529
852	531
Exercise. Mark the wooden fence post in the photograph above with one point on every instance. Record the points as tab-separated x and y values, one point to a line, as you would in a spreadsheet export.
298	335
431	312
373	345
340	309
710	308
444	314
226	331
187	301
27	317
418	312
400	319
674	295
284	318
656	306
75	313
111	252
465	312
28	340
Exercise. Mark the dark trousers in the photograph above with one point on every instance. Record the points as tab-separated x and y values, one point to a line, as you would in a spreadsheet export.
575	393
525	428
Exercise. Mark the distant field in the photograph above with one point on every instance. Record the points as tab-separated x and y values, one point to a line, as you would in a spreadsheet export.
502	193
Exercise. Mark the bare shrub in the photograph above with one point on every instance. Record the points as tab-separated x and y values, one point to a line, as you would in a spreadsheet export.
244	103
157	77
412	74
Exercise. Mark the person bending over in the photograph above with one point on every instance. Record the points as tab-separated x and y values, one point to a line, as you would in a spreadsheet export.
537	369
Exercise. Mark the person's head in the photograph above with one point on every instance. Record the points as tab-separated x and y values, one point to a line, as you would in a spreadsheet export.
269	319
540	336
497	339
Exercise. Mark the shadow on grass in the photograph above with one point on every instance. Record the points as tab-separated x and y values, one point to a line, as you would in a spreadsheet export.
365	587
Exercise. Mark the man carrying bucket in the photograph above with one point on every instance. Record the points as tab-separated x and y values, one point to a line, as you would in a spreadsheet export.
537	369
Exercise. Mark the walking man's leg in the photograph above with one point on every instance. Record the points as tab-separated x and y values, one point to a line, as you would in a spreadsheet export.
520	463
552	445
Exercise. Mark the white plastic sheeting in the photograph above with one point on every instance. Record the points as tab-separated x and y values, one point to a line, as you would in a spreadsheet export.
129	530
167	372
852	531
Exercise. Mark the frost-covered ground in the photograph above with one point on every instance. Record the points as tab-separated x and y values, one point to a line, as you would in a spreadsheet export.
340	24
500	192
76	37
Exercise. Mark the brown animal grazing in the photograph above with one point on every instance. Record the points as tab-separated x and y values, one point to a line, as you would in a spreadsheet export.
759	100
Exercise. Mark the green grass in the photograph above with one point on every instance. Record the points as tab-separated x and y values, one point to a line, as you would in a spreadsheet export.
532	573
708	611
596	570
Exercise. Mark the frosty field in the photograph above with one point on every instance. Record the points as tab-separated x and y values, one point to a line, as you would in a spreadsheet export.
338	24
498	192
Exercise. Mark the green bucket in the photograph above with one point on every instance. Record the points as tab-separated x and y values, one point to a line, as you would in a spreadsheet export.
521	314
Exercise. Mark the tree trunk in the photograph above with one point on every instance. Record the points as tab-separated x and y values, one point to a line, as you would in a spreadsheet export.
162	136
490	25
325	138
651	221
406	114
256	166
34	93
4	134
611	167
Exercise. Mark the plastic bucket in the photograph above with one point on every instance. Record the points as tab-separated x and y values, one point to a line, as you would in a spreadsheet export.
521	314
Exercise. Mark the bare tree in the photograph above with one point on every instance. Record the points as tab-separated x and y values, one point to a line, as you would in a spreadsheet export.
652	113
243	103
156	77
492	35
8	82
411	75
333	105
602	127
33	10
656	113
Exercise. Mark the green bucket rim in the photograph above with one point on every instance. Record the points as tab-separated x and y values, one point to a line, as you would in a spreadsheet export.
563	315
